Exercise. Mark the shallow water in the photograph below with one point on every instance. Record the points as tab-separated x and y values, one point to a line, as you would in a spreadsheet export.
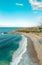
27	57
9	43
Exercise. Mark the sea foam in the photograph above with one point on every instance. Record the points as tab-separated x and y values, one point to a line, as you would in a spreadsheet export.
17	55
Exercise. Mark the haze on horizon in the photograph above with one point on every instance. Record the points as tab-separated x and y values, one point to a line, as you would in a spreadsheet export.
20	13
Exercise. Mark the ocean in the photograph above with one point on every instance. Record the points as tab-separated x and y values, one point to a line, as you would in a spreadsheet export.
12	47
8	29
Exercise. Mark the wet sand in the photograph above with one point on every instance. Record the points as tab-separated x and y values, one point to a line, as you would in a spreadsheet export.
35	48
32	52
30	56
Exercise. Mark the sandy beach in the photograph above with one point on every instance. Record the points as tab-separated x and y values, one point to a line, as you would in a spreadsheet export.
32	51
30	57
35	48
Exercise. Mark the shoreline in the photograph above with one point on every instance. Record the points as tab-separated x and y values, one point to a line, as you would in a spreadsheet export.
30	56
36	48
33	53
17	56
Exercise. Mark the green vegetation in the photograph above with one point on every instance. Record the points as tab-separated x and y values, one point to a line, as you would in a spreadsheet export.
27	30
32	29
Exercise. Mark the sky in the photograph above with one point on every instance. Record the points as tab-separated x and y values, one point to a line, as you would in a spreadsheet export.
20	13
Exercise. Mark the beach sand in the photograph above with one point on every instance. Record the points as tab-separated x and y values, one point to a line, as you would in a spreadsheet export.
35	48
33	54
30	56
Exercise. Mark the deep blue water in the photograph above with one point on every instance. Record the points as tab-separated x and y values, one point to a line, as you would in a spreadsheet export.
7	29
9	43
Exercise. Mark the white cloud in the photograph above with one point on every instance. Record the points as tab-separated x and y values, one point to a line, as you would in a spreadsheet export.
35	4
19	4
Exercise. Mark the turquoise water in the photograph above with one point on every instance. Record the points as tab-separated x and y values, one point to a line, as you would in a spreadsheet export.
7	29
9	43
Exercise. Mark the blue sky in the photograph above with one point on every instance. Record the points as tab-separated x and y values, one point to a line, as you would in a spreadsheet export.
20	13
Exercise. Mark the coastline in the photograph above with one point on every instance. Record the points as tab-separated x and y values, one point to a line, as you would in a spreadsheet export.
17	56
30	55
34	46
28	49
33	53
37	46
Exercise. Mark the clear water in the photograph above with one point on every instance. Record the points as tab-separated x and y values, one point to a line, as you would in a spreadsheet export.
7	29
9	43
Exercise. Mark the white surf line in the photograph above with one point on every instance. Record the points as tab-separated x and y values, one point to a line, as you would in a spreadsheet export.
17	55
